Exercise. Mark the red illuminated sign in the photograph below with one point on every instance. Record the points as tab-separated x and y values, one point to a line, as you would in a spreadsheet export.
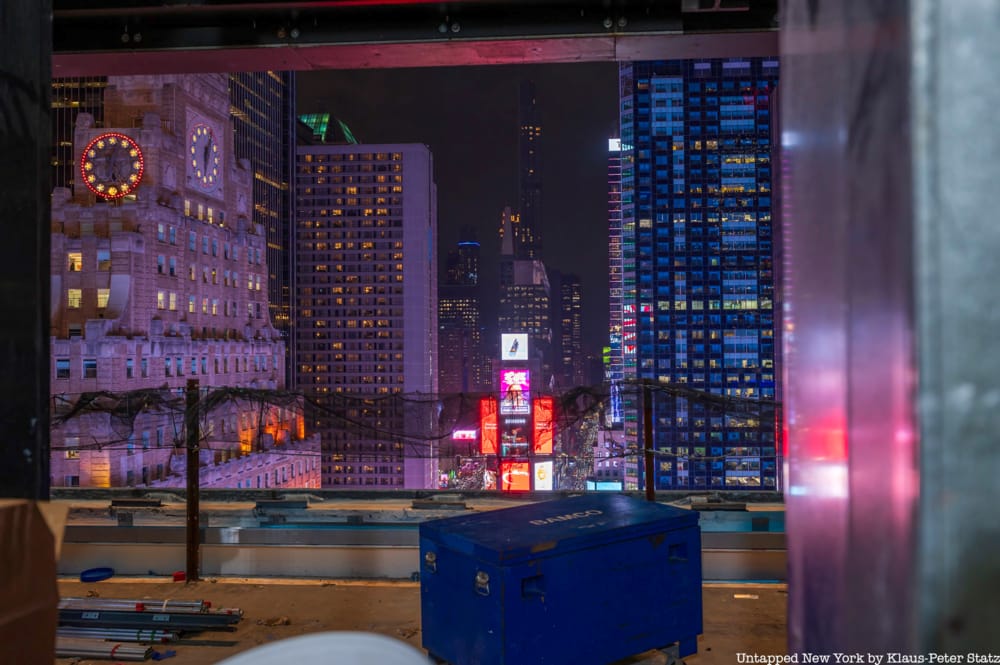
488	425
544	429
515	476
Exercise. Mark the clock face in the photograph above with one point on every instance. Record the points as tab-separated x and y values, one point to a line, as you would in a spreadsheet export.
204	156
111	165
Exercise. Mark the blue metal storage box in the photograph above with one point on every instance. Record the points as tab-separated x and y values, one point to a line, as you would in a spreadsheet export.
580	581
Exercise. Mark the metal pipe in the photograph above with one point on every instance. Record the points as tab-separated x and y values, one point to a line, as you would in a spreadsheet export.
647	440
70	647
126	604
193	497
118	634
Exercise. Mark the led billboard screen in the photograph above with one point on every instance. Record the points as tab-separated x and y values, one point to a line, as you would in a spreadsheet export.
514	346
543	475
515	391
515	476
488	425
543	428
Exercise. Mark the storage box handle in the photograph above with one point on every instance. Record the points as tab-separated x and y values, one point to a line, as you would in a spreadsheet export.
430	561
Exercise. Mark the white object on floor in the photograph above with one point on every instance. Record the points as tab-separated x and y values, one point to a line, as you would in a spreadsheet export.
341	647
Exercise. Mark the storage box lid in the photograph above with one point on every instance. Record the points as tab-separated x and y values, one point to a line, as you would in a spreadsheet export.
552	527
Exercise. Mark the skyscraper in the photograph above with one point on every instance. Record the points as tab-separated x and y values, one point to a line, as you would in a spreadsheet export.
70	97
698	268
262	108
528	241
525	301
567	334
157	272
462	365
614	370
366	307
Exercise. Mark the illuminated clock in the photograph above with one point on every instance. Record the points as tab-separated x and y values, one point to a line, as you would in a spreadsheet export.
204	156
111	165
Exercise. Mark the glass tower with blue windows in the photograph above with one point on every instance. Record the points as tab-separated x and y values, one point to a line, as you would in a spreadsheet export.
698	271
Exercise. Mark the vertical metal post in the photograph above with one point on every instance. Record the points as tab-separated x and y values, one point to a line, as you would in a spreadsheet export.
193	539
25	136
647	440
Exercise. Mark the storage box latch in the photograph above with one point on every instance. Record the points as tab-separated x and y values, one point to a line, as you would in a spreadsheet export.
430	560
482	583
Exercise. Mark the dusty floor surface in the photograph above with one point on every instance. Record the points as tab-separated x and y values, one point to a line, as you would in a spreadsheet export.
737	618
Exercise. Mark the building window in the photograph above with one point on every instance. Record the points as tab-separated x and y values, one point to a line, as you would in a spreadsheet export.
172	269
168	366
90	368
74	298
62	368
173	235
144	367
173	302
145	440
191	304
161	232
192	237
102	298
75	260
194	365
159	264
161	300
129	368
180	366
104	260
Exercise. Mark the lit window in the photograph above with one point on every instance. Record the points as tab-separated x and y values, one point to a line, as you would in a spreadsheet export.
161	300
75	261
74	298
102	298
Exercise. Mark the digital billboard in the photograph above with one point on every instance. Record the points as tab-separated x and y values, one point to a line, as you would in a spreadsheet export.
515	391
514	346
488	425
514	436
515	476
543	428
543	475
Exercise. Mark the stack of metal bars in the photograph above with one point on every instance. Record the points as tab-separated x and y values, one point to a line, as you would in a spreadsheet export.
85	647
122	628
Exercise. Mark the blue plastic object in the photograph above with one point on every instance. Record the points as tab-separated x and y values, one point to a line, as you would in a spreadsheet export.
96	574
585	580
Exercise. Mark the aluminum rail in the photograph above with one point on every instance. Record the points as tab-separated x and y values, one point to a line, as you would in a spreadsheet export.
386	552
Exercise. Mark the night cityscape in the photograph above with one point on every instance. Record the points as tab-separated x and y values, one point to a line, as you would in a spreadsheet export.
483	216
447	330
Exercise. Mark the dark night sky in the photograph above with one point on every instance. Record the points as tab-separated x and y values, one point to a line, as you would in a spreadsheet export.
468	118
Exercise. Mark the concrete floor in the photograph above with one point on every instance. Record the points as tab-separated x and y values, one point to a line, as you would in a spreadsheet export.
737	618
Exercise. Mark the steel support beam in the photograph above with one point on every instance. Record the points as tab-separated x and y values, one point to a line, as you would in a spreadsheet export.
25	32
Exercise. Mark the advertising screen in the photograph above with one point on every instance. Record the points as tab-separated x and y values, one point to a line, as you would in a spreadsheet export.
543	427
543	475
515	476
514	433
515	388
514	346
488	425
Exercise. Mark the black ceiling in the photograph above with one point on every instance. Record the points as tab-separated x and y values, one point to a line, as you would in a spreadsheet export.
107	26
